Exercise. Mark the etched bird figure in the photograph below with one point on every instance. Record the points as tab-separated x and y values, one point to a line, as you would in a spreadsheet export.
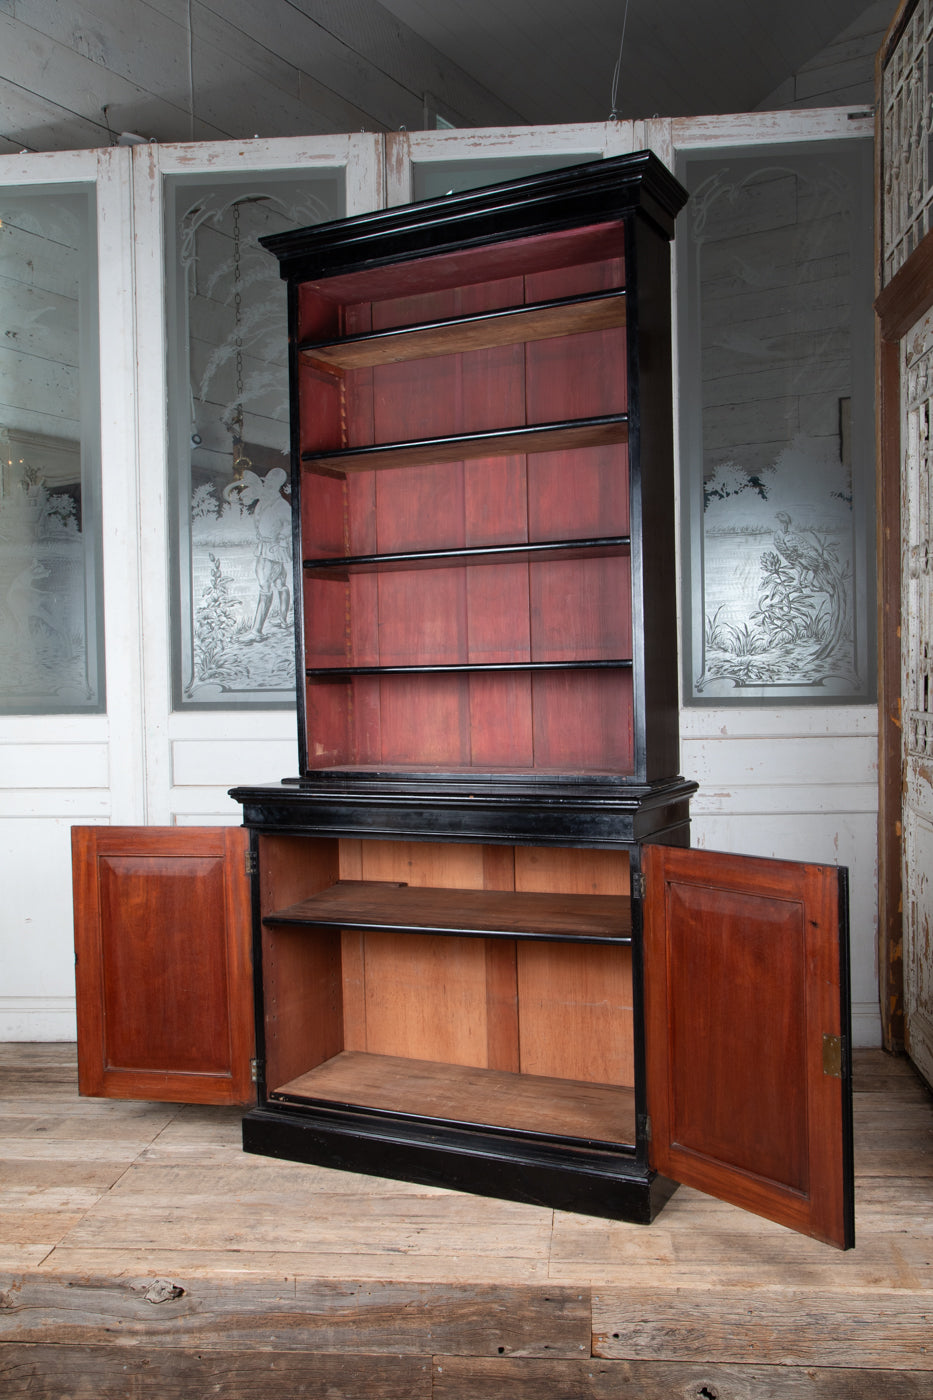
818	571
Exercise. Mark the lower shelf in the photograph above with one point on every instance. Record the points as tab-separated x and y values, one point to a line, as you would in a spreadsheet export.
529	1103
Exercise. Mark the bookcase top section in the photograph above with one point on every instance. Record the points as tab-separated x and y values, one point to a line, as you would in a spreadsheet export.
596	193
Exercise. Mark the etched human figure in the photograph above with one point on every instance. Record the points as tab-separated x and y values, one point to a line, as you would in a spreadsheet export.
272	518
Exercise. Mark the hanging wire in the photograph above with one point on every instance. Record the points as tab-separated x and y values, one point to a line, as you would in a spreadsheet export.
614	115
190	74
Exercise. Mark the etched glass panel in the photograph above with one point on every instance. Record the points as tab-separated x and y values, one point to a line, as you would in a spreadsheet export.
229	432
51	634
777	425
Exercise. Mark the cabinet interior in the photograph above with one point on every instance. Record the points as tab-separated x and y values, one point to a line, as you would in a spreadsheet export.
531	1032
465	511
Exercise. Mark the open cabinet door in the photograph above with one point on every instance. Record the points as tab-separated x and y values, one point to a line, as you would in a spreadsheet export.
747	1038
163	963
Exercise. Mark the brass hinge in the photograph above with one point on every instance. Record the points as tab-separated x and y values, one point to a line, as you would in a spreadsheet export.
251	863
834	1056
254	1067
639	884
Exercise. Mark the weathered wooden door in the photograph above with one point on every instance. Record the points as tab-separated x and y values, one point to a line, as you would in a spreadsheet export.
746	999
917	688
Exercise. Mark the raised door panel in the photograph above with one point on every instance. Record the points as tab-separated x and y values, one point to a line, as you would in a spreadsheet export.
746	993
163	963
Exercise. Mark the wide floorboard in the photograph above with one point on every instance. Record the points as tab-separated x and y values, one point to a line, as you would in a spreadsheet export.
142	1253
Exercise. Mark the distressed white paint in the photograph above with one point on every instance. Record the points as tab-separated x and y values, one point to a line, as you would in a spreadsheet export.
499	147
917	687
906	128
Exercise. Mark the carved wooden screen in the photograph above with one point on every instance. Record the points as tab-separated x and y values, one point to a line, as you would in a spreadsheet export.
905	95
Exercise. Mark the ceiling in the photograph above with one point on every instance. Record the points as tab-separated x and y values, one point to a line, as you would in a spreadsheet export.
553	61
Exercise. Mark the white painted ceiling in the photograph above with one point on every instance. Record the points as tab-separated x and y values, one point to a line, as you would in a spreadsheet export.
553	60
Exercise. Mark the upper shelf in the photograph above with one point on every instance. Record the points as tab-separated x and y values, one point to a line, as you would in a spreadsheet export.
357	904
606	546
500	442
509	326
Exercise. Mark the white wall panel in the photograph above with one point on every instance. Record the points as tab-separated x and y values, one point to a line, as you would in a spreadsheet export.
43	765
209	763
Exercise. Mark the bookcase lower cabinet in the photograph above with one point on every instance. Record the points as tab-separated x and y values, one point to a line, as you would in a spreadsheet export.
580	1028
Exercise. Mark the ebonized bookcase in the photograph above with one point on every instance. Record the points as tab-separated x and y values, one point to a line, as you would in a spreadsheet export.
484	955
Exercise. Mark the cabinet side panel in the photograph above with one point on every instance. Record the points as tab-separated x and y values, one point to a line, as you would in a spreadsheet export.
88	967
302	998
651	439
302	1002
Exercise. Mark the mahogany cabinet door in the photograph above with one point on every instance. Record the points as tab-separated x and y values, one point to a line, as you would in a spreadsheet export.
747	1038
163	963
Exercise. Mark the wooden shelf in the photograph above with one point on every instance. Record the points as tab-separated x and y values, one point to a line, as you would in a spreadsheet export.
600	431
510	326
607	546
467	668
571	1108
358	904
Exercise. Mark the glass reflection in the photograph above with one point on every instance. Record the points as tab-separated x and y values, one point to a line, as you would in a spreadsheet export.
51	640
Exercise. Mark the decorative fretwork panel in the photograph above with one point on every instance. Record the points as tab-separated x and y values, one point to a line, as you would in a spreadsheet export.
907	140
918	548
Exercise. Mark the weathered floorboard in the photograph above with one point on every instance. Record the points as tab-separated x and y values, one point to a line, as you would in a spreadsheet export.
469	1378
299	1315
163	1373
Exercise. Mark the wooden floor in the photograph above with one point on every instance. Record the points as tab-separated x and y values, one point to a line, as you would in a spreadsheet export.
142	1254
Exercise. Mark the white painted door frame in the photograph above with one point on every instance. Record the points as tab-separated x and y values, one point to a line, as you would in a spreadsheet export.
191	758
123	767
